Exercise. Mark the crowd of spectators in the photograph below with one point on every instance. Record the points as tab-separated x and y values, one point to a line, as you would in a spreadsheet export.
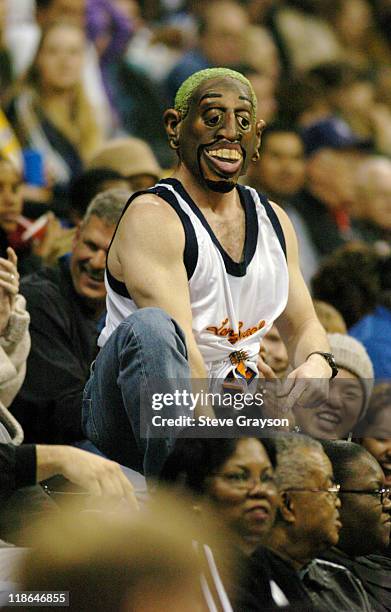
299	520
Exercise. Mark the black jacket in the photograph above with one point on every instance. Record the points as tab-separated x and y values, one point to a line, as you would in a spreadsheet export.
63	345
320	586
374	572
17	467
265	568
322	227
332	587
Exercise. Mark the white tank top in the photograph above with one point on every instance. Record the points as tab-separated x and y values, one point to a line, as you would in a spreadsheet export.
233	304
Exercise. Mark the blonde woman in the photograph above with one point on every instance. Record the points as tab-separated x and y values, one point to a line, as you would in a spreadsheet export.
49	110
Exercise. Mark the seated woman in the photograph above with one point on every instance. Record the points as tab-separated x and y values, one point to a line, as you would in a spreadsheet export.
349	395
231	477
233	481
50	112
31	252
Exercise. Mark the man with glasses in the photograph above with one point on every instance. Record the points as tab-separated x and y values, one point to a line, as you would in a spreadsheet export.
307	524
366	519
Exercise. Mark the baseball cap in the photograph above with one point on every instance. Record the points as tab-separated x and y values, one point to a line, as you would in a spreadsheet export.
331	133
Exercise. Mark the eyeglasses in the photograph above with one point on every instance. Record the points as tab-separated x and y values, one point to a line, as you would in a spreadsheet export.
332	491
244	482
382	494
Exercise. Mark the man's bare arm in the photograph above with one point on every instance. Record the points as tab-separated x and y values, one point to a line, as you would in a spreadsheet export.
147	254
298	324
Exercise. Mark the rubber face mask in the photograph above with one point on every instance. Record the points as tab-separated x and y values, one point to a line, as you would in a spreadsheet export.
219	135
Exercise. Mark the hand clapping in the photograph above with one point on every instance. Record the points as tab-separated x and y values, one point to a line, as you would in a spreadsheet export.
9	287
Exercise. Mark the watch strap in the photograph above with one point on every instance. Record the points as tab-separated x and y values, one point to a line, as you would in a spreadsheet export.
329	357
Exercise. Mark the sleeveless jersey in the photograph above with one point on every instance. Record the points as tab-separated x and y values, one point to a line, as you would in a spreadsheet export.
233	304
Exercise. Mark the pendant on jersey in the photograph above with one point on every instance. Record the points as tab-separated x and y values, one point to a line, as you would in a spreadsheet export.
238	380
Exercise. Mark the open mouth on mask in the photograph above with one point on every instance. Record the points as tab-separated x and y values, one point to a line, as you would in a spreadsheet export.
225	160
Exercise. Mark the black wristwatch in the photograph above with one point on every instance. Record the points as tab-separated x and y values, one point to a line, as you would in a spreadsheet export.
330	360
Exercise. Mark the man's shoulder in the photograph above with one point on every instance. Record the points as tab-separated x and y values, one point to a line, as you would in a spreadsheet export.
376	560
144	198
267	566
328	566
44	291
44	280
332	574
148	210
372	568
271	562
340	586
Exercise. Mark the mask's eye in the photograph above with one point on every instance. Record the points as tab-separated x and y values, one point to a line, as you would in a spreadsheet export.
244	122
212	118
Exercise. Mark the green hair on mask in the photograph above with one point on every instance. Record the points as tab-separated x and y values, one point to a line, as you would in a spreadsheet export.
185	92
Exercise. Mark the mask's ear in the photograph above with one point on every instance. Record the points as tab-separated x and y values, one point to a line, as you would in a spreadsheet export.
172	119
287	508
259	127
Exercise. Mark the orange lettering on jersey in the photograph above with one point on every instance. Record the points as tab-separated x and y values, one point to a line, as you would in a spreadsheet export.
224	330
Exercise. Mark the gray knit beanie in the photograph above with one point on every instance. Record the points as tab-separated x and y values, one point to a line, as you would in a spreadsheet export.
351	355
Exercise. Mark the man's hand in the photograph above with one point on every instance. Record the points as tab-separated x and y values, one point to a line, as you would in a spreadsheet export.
100	477
274	407
264	370
307	385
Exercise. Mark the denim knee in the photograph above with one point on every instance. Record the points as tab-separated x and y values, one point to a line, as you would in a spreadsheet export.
151	319
155	327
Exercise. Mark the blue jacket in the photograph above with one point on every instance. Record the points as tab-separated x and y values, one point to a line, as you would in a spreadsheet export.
374	331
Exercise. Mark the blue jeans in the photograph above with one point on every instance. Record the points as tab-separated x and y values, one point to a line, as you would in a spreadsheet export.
146	346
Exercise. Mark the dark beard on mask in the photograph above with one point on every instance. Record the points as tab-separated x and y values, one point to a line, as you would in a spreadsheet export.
220	186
